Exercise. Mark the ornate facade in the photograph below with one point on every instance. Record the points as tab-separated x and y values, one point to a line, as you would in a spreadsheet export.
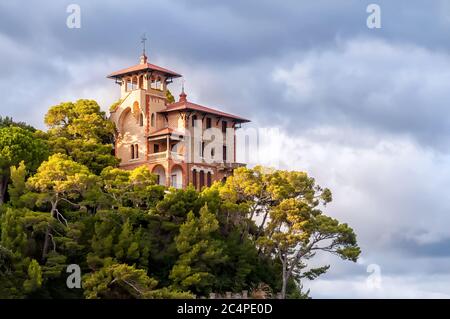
182	142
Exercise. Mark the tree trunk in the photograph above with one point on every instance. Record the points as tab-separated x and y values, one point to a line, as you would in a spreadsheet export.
46	241
3	187
261	227
47	233
285	281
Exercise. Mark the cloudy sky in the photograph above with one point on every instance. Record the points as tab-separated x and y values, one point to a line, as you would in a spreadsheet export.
362	110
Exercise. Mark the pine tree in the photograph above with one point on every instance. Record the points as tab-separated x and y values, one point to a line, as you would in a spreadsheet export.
199	252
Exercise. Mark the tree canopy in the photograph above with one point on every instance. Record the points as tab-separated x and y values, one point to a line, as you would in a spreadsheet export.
68	202
18	144
82	131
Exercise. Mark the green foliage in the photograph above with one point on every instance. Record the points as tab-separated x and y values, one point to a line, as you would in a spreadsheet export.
116	238
6	259
8	122
199	252
169	96
293	228
18	245
82	131
132	238
18	187
118	281
60	178
16	145
34	280
115	105
136	188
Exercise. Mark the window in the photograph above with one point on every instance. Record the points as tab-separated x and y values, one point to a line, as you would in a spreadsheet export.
224	126
174	180
202	179
155	148
152	82
224	153
202	150
134	81
194	178
212	152
158	84
129	85
132	151
153	120
208	179
141	82
208	122
141	119
136	150
194	118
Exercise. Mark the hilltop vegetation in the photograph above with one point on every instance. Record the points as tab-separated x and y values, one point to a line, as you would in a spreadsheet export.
64	201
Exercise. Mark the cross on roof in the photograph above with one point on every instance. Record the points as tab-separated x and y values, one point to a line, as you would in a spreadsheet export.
143	39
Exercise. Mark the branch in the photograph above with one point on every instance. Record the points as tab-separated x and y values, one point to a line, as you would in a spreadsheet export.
71	203
53	241
128	283
58	214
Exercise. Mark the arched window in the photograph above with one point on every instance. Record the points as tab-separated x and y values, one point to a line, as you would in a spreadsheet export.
136	150
141	82
208	179
128	85
152	83
132	151
134	82
202	179
153	120
158	84
194	178
141	119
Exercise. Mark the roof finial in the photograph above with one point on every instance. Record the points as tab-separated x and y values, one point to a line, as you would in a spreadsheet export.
143	57
183	96
143	39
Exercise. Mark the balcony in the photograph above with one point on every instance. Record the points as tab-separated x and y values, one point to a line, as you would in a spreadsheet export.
163	156
227	166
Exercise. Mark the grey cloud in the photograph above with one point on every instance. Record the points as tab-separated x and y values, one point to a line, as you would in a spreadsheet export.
364	111
370	82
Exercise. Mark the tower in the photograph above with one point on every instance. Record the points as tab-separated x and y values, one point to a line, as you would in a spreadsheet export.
170	138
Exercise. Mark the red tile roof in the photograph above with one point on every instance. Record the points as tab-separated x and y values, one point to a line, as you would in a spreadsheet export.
165	131
188	106
143	67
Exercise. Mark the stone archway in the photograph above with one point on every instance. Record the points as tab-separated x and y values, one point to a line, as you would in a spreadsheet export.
160	172
176	176
121	124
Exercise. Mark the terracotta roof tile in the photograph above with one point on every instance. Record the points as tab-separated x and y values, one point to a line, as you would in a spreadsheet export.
185	105
143	67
